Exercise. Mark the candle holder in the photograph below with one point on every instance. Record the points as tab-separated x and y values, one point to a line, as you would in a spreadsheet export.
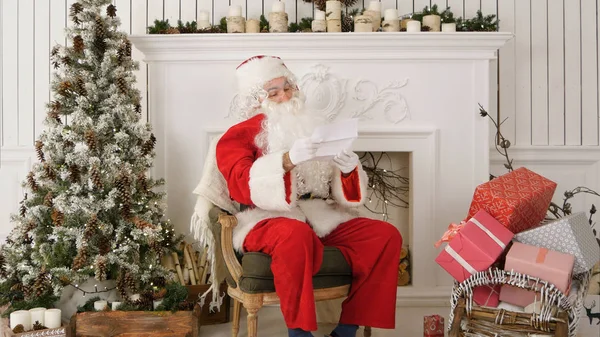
433	21
252	26
236	24
333	9
334	26
278	22
391	25
363	24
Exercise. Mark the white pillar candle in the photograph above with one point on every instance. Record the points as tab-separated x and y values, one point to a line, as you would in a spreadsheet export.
203	24
278	7
449	27
319	15
391	14
52	318
155	304
413	26
433	22
203	16
333	9
235	10
319	26
363	24
100	305
374	6
115	305
22	317
37	314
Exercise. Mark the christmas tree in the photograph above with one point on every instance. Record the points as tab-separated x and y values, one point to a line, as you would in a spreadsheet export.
90	209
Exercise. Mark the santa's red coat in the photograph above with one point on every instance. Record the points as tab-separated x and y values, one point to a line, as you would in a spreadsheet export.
277	223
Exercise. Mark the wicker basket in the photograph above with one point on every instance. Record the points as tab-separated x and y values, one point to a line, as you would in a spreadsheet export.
559	314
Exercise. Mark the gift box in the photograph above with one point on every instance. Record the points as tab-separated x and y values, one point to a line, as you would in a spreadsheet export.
570	235
433	326
487	296
475	247
519	199
548	265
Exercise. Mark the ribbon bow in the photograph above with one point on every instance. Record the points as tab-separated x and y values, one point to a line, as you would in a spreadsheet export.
453	229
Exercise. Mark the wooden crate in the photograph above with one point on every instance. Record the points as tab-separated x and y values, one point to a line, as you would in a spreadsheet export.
135	324
206	317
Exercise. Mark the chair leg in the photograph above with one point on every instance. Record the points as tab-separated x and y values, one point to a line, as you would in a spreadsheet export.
367	332
253	303
237	310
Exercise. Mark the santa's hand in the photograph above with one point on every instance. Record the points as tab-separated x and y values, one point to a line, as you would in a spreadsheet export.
303	149
346	161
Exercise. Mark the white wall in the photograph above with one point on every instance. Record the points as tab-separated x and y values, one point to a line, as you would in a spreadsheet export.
548	77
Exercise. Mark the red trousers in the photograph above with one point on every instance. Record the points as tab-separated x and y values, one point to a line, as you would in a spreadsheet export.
371	247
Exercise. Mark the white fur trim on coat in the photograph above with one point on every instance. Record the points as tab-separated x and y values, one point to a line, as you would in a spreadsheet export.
324	216
250	217
267	184
338	192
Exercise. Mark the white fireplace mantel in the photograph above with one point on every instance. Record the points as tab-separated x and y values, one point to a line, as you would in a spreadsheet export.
414	92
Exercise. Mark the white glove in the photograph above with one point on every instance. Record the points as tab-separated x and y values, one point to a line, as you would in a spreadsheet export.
346	161
303	150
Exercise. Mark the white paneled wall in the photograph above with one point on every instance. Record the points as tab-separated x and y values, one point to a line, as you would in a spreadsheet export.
549	74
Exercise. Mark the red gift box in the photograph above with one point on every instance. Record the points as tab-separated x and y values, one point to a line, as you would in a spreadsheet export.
488	296
551	266
475	247
433	326
519	199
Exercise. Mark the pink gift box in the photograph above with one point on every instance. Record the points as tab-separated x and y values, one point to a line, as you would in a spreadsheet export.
548	265
475	248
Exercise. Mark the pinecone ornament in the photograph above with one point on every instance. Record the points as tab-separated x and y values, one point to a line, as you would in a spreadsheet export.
64	88
38	150
31	182
130	281
96	178
54	111
80	261
100	268
42	283
99	28
78	44
122	85
49	172
149	145
138	108
173	30
103	245
22	209
347	23
74	173
3	272
81	87
75	9
90	228
38	326
123	186
48	199
19	328
90	140
58	218
111	11
122	286
127	48
66	61
31	225
142	182
141	224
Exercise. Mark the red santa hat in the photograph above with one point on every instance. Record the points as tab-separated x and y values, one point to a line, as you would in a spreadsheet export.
254	72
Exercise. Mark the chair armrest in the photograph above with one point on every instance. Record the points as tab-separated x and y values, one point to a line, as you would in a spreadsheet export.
228	223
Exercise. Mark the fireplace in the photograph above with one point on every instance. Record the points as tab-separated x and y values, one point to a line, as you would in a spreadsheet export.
416	94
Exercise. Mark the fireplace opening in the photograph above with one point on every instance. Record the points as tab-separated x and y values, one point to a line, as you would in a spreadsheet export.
388	198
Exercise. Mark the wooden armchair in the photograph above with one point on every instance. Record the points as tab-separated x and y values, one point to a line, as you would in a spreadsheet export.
251	282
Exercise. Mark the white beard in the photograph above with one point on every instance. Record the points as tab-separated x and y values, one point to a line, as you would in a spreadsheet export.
284	124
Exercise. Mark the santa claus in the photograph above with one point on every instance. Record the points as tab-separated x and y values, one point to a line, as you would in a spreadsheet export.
297	204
